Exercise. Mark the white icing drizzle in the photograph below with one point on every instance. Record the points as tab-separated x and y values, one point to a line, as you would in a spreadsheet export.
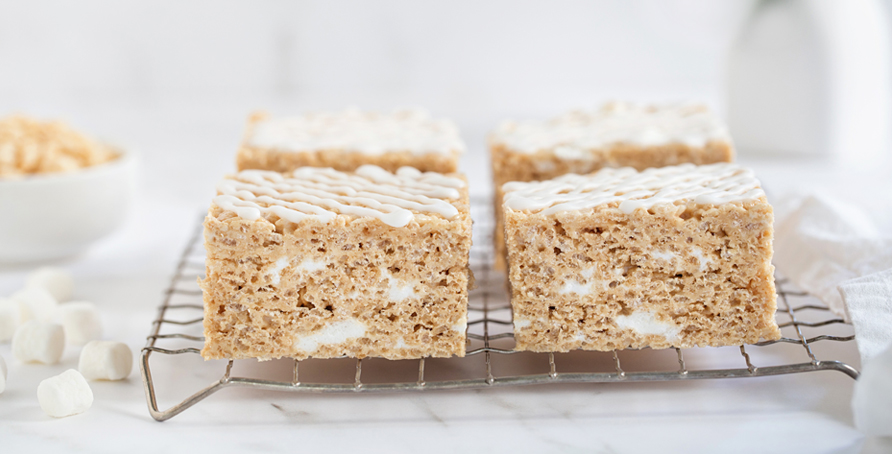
322	194
357	131
713	184
572	135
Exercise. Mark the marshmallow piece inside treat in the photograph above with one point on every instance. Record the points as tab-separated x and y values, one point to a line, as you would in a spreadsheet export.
39	303
105	360
39	342
54	280
65	394
12	315
4	373
81	322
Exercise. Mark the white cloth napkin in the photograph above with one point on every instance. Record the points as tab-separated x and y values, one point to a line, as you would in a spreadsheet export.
869	302
872	396
823	243
835	252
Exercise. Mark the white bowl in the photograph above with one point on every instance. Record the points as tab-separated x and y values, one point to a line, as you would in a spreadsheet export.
51	216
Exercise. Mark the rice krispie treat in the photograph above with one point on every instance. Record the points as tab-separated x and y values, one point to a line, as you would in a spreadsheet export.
29	146
616	135
676	256
351	138
322	263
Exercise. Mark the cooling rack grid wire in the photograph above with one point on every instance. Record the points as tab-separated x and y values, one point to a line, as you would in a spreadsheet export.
490	359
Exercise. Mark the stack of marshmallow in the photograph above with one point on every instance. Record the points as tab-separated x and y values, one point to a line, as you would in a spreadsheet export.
39	327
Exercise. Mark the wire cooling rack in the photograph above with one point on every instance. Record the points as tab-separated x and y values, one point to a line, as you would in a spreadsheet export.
490	359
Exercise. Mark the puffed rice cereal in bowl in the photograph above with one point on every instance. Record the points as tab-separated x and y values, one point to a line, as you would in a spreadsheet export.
29	146
60	191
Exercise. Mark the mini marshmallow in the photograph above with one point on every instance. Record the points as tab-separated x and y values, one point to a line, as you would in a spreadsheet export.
81	322
39	303
65	394
39	342
12	314
3	375
105	360
55	280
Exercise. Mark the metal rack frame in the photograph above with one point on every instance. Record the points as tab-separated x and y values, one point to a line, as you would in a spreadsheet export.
480	313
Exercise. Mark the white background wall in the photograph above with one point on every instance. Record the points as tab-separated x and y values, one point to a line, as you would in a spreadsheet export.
176	79
462	57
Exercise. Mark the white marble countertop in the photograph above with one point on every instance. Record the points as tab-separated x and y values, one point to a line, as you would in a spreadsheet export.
126	274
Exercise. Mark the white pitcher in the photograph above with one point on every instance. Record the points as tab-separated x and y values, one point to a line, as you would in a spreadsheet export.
812	78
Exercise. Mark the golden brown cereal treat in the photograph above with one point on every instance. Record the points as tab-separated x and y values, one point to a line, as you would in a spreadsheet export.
321	263
28	146
676	256
616	135
346	140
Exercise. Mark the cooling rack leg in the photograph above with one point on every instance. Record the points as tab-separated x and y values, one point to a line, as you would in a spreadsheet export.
148	384
839	366
164	415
